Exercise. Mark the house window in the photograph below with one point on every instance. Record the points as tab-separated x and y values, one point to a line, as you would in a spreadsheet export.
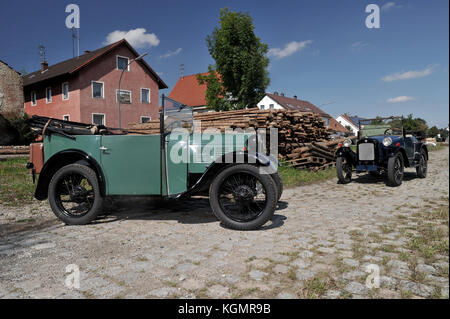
145	119
271	106
66	117
145	95
125	96
122	63
65	91
98	119
33	98
262	107
97	90
48	95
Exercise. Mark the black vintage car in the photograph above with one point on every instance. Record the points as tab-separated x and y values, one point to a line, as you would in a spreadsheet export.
383	147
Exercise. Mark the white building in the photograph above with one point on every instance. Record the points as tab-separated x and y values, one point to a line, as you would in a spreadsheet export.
348	122
277	101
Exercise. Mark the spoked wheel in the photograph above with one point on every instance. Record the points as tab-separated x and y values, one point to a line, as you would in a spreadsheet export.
421	169
343	170
395	170
74	194
242	198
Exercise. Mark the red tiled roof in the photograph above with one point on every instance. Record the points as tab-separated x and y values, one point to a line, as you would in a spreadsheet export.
188	91
296	104
338	127
74	64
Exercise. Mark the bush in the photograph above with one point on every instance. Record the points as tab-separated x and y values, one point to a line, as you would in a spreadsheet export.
16	131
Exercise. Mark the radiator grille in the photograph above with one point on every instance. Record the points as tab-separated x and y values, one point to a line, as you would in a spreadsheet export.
366	152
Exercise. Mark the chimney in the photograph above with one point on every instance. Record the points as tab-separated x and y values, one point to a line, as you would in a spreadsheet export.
282	94
275	93
87	51
295	96
44	65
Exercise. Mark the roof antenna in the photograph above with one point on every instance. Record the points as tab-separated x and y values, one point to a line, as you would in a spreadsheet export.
42	53
182	70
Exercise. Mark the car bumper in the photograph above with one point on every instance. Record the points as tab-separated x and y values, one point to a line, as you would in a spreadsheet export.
366	168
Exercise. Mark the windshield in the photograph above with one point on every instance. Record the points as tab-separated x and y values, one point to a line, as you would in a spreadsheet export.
380	126
176	115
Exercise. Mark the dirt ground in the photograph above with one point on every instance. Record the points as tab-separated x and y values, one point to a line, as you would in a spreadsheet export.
321	242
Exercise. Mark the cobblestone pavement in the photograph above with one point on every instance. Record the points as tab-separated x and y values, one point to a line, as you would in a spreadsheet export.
319	244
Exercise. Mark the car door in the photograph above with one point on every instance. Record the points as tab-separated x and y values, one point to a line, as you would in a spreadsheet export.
177	158
131	164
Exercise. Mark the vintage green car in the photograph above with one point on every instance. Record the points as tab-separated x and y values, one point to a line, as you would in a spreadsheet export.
79	165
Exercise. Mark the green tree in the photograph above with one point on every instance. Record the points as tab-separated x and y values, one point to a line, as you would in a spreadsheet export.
215	91
241	61
433	131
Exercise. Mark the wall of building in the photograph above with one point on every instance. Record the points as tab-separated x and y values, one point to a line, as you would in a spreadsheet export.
344	122
266	101
105	70
58	107
11	91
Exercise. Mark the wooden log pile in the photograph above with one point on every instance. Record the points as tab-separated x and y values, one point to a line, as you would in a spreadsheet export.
14	150
303	138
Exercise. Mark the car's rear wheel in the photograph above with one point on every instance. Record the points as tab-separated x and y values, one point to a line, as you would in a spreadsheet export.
421	169
395	170
343	170
242	198
74	194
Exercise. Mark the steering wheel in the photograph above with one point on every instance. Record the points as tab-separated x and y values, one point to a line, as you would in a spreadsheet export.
388	130
173	125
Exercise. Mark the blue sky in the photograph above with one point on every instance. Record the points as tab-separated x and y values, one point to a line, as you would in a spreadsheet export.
321	50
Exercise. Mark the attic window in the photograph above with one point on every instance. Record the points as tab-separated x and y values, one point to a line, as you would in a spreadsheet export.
122	63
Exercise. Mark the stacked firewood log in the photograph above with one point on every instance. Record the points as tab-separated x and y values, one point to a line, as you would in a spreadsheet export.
14	150
303	138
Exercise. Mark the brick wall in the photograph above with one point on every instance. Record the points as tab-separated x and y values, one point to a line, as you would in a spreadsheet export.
11	91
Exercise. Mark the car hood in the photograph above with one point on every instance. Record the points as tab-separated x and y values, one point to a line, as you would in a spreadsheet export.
379	138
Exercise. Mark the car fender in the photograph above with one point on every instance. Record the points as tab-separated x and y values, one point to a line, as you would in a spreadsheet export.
267	162
63	158
348	154
400	150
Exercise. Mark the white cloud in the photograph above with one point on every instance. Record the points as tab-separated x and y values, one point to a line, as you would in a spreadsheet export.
359	45
409	74
289	49
389	5
170	53
138	38
400	99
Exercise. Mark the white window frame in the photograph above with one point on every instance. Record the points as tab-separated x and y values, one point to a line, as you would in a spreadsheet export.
271	106
68	115
262	107
47	100
123	57
92	90
35	98
117	95
62	91
145	116
104	118
149	95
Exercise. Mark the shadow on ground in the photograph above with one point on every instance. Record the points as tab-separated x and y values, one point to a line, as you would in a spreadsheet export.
188	211
366	178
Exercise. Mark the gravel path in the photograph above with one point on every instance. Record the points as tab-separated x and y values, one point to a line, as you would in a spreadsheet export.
319	244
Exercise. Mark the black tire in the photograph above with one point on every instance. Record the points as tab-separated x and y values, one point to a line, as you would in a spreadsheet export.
422	168
233	197
343	170
279	183
75	185
395	170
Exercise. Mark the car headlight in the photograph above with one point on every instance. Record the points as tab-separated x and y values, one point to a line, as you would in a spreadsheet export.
387	141
347	143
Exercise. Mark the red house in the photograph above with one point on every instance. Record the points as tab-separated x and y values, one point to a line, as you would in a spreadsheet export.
85	88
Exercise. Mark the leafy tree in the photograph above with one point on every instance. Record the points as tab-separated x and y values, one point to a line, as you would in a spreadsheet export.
348	127
241	62
433	131
215	91
25	134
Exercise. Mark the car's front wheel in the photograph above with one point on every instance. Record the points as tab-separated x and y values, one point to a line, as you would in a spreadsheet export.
395	170
242	198
74	194
343	170
421	169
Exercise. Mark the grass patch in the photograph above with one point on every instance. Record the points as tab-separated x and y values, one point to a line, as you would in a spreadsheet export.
432	235
293	177
438	147
16	185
